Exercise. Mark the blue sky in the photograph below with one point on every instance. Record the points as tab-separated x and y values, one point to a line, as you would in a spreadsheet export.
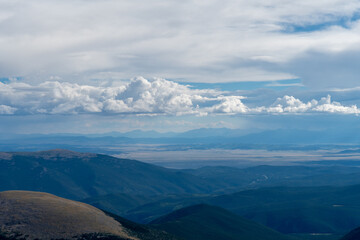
97	66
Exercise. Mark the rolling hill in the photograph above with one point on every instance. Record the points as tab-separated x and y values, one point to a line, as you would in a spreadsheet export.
205	222
321	210
45	216
36	215
297	210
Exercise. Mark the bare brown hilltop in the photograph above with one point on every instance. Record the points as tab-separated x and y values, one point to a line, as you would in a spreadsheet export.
37	215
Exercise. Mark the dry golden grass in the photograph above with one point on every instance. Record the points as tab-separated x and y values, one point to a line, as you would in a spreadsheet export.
45	216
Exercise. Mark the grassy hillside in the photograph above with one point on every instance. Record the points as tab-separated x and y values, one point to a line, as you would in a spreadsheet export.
45	216
81	175
204	222
36	215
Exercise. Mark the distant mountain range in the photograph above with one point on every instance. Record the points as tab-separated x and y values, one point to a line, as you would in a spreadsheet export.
203	135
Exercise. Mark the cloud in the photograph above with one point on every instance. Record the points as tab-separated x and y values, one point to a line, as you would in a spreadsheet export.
141	96
196	41
228	105
7	110
290	104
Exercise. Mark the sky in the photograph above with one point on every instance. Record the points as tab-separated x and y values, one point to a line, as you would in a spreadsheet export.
92	66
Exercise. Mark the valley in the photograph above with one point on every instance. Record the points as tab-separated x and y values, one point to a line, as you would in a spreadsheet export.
303	201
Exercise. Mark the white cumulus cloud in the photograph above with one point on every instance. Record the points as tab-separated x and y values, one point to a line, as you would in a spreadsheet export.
229	105
290	104
141	96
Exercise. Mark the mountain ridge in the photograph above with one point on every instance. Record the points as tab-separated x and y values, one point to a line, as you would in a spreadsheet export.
81	175
206	222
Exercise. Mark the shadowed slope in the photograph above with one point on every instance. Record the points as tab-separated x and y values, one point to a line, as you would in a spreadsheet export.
204	222
353	235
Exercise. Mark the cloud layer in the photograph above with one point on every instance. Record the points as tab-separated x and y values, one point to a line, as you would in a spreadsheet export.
146	97
192	40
